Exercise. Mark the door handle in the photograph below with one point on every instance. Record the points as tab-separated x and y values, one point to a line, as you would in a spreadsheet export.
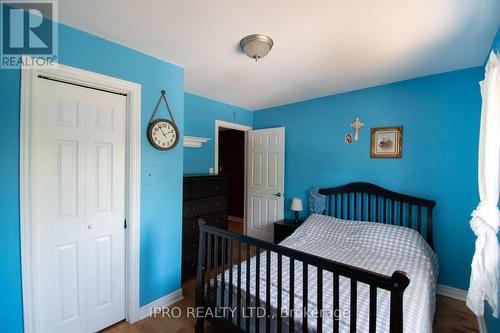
90	226
278	194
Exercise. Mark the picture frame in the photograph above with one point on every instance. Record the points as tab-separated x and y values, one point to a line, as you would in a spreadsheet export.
386	142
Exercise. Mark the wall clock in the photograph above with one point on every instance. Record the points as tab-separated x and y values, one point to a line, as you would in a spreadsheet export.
163	134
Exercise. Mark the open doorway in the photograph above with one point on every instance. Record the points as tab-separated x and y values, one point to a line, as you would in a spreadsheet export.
230	161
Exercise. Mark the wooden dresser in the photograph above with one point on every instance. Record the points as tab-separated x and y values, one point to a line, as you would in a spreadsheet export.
205	197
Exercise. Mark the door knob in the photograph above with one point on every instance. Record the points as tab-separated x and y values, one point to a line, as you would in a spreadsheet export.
90	226
278	194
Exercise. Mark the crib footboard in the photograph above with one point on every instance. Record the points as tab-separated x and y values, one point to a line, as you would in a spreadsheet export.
222	257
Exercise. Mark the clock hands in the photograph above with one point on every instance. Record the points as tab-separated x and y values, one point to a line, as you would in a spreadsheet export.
163	133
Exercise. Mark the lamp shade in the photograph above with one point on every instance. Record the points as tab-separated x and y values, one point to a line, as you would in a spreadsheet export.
296	205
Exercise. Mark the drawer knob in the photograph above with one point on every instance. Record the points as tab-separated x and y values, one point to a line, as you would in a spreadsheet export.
193	228
193	264
217	204
217	187
193	209
217	220
193	189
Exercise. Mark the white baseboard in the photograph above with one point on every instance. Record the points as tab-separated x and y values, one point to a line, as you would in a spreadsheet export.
481	324
461	295
167	300
451	292
235	219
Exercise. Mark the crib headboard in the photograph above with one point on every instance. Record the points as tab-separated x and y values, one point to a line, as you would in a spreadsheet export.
368	202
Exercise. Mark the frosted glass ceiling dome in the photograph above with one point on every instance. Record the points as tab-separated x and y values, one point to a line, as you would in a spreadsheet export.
256	46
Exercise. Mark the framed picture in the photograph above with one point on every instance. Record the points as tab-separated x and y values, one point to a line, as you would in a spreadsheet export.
386	142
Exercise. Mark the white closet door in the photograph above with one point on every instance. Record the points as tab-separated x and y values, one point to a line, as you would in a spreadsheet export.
266	174
105	208
78	207
58	197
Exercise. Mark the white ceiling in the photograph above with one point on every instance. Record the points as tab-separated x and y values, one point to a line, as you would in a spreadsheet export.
321	47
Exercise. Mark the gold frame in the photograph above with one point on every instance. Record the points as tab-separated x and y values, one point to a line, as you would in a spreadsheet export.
399	145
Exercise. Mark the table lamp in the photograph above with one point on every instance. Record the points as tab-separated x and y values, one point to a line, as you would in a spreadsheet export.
296	207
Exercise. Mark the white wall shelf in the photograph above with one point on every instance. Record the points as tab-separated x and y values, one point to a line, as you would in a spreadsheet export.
194	141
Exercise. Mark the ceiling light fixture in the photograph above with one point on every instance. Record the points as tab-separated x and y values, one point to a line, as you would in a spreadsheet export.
256	46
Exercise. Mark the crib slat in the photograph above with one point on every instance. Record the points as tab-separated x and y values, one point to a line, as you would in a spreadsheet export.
203	264
373	308
336	298
230	292
247	298
216	267
223	275
257	287
238	291
278	317
377	201
305	294
209	268
291	296
354	305
268	291
319	301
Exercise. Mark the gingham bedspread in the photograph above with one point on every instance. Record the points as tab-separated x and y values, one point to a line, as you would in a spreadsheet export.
376	247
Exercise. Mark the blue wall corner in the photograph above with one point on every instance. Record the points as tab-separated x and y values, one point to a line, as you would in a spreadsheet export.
496	41
200	114
440	116
161	180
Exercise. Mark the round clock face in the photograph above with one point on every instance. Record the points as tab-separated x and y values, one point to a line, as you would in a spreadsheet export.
163	134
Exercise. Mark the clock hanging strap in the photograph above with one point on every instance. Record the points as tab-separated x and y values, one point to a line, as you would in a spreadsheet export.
162	97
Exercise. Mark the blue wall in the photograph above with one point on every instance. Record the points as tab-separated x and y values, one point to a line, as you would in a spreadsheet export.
200	114
161	189
440	115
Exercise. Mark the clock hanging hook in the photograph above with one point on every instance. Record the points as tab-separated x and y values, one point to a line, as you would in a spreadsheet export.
164	98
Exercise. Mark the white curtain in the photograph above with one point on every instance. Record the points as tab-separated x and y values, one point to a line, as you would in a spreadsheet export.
484	278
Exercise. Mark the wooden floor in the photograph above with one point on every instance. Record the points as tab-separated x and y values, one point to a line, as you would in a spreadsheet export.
451	315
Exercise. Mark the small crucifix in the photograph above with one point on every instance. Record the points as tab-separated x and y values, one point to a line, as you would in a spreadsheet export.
357	124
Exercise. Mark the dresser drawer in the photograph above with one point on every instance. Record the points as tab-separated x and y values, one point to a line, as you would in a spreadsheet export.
190	226
199	207
190	245
205	188
189	266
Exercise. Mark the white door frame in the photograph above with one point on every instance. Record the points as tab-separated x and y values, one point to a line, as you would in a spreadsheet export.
132	188
226	124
